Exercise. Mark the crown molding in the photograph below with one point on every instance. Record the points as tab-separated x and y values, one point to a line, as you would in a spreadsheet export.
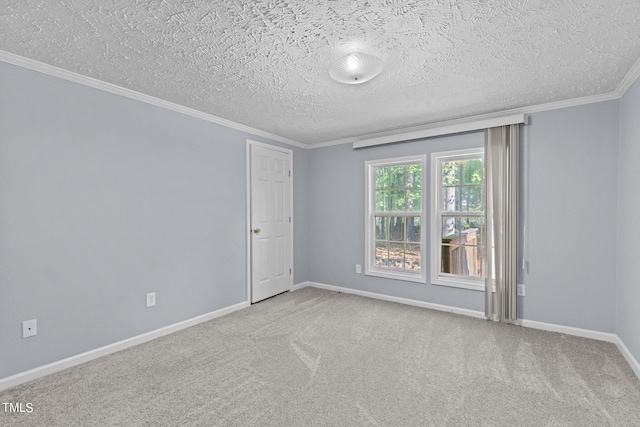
471	120
128	93
623	86
332	142
629	79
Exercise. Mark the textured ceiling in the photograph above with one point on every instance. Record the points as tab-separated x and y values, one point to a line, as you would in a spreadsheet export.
265	63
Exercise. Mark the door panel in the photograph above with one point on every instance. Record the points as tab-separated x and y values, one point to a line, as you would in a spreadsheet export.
271	229
280	256
263	263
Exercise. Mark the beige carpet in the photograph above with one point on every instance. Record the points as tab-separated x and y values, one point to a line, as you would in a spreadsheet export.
319	358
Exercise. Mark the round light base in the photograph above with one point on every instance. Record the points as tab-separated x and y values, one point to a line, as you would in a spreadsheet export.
356	68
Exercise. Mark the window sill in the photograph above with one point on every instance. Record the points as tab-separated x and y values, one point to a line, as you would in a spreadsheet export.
397	276
473	285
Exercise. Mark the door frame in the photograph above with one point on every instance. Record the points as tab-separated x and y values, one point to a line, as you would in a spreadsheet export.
247	228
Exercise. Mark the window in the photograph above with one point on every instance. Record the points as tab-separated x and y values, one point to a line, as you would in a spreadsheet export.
458	220
395	213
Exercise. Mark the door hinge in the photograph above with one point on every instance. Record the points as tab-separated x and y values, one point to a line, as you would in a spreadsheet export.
289	173
289	271
289	219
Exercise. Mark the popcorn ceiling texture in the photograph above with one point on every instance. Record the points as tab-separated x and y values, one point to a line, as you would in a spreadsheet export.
265	63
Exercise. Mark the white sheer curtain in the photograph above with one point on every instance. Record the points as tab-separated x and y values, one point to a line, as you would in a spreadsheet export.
501	163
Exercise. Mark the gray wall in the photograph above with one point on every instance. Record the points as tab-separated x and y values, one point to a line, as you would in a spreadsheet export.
572	161
571	157
628	280
103	199
336	183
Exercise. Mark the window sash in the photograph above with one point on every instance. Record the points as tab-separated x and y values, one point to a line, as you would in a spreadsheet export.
438	213
398	213
409	246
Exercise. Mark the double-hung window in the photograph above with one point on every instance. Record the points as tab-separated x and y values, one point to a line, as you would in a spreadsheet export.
458	219
395	216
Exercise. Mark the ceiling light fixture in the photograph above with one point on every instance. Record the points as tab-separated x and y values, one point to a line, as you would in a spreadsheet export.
356	68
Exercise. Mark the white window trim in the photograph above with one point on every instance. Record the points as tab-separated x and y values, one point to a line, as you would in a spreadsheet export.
438	278
369	209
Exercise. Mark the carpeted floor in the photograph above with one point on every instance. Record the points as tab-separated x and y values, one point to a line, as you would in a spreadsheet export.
320	358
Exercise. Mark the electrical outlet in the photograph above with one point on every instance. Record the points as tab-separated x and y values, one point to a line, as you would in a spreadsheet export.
520	289
358	268
151	299
29	328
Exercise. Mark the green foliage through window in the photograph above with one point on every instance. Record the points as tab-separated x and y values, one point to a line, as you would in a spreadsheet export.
398	188
462	216
395	193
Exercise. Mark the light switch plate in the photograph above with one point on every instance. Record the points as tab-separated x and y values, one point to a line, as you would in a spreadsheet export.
151	299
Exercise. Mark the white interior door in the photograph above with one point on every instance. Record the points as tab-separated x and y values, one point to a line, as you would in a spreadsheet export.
271	224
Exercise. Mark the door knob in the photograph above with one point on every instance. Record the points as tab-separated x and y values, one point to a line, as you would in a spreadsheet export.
256	230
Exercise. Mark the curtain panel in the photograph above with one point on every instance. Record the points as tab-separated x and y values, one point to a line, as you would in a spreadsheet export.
501	163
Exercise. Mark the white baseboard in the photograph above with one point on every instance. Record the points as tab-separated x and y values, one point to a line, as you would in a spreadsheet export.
407	301
300	286
568	330
635	365
32	374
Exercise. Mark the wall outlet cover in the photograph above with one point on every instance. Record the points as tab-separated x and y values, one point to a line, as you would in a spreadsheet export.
29	328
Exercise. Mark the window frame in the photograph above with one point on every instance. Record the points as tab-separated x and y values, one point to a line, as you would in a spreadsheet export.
370	213
438	278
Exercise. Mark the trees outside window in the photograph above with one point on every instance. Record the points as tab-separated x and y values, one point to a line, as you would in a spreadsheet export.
395	214
458	222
